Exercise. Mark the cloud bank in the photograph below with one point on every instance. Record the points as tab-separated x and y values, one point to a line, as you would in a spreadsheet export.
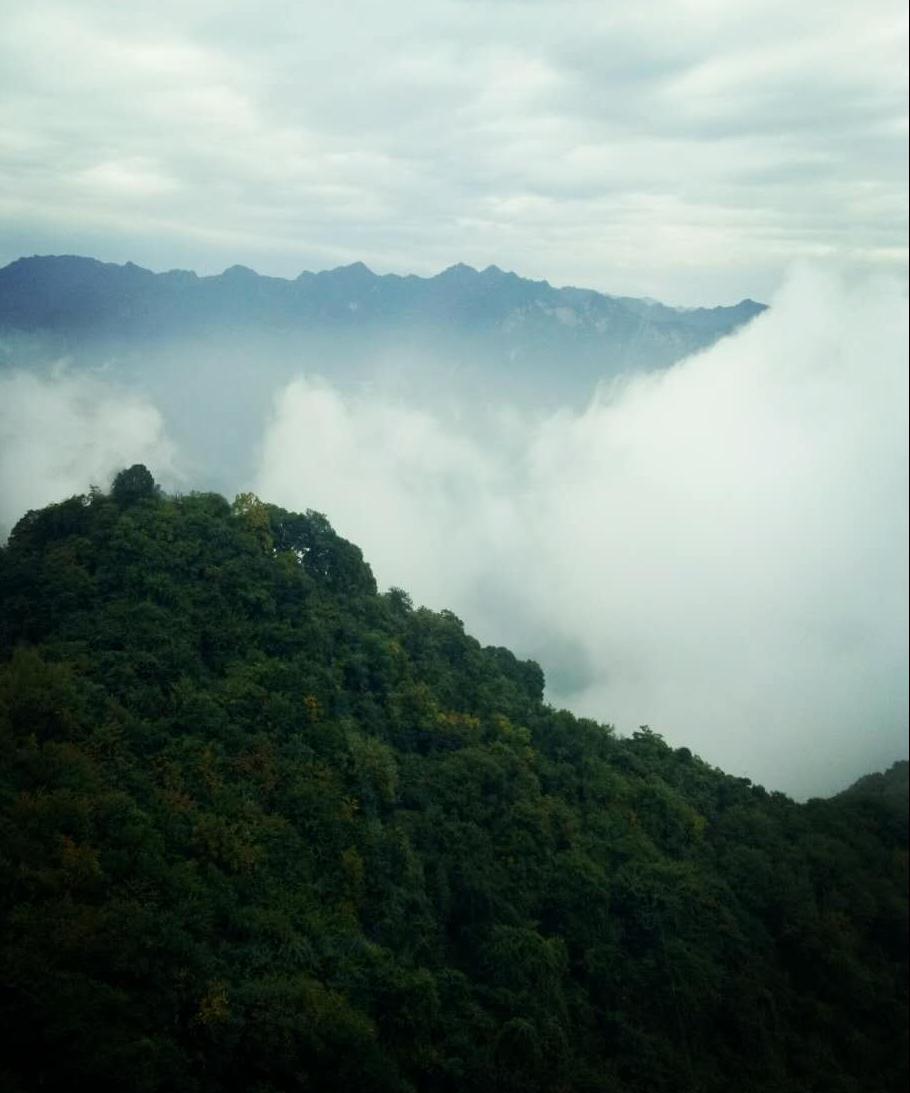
60	433
719	550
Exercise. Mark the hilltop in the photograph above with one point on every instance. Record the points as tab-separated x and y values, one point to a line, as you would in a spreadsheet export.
890	787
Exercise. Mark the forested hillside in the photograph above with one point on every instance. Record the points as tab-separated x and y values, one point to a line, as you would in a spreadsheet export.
263	828
891	787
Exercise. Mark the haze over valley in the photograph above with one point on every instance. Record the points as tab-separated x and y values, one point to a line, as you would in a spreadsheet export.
667	508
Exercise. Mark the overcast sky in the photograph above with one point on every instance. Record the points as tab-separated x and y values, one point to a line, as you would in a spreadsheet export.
684	149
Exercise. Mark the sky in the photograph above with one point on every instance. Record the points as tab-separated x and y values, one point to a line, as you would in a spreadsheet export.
688	150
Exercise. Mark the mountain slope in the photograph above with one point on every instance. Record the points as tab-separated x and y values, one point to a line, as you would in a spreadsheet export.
263	828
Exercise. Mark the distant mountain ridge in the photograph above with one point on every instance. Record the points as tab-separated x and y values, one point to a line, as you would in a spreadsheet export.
515	319
213	353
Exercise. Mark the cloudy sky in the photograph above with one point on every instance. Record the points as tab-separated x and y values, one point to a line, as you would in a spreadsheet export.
684	149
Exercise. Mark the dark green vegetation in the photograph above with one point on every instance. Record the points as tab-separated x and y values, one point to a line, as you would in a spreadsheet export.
892	787
264	829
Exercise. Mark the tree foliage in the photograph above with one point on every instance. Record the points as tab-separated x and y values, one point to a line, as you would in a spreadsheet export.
263	828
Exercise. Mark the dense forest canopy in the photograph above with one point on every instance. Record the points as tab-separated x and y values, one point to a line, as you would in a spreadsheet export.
264	828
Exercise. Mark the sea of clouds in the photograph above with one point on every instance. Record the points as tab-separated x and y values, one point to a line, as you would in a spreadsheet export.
718	550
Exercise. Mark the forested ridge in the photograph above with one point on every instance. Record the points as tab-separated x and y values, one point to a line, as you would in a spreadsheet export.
263	828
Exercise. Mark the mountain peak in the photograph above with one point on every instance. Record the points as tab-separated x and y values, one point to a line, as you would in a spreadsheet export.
354	269
237	272
458	270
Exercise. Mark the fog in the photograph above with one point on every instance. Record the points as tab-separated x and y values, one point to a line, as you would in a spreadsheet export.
61	432
718	550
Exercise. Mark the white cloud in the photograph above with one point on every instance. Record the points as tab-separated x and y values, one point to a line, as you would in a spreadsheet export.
61	433
718	550
135	178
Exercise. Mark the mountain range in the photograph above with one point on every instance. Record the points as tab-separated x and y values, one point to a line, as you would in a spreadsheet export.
212	353
488	317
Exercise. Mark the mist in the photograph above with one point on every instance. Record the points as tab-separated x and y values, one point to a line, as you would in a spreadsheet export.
717	550
62	432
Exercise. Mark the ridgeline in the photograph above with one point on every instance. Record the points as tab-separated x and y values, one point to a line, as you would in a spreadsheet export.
265	829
